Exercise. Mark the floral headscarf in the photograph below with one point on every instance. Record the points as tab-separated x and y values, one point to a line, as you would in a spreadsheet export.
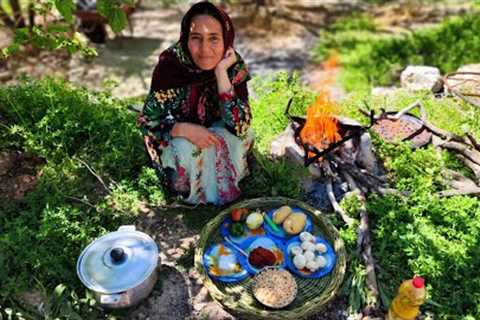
175	68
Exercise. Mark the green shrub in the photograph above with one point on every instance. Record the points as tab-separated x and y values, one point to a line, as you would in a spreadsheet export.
371	58
427	235
268	108
76	131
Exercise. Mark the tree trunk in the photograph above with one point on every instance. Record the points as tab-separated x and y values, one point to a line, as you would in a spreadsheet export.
31	16
17	14
7	21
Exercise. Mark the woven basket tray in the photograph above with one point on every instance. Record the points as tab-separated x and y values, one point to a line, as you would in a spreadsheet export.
313	294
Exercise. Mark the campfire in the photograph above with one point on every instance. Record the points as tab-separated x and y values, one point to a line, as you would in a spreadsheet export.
337	151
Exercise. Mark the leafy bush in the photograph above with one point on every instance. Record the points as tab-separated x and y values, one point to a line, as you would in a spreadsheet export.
372	58
427	235
75	131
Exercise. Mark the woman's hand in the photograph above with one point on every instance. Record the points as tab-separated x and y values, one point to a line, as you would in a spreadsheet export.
196	134
228	60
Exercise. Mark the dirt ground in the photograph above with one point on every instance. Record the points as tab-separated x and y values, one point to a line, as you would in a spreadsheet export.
128	60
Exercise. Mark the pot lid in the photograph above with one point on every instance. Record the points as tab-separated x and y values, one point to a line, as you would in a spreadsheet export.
118	261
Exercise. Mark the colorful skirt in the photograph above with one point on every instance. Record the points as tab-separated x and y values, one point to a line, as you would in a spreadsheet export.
208	175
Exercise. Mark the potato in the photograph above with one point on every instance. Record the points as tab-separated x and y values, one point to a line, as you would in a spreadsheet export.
295	223
281	214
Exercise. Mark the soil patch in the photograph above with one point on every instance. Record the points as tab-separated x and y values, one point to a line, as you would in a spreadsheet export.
19	173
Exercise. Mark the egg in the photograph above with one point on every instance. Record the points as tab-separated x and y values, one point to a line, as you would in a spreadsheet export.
299	261
309	256
305	236
308	246
311	265
321	261
320	247
296	250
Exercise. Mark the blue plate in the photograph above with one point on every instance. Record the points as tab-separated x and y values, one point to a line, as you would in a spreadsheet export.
211	258
281	234
329	256
266	242
248	234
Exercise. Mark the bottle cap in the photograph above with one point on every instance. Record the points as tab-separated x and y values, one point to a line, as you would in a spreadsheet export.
418	282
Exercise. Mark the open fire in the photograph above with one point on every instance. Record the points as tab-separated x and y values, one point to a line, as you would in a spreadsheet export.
321	127
337	151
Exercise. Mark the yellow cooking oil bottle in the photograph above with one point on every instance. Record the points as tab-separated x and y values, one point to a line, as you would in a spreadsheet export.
406	305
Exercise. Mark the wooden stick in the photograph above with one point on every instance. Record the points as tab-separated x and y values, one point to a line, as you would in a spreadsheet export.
336	207
470	154
368	260
474	191
416	104
84	201
472	165
6	19
474	142
385	191
457	181
95	175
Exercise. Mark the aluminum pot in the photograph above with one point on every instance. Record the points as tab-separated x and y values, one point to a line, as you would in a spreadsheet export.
120	267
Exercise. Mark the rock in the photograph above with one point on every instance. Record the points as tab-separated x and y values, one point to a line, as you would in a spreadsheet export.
284	141
365	156
417	78
5	75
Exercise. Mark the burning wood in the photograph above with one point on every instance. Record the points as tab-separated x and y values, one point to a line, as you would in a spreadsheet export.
321	127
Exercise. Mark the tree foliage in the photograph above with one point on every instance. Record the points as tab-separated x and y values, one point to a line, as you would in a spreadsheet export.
57	27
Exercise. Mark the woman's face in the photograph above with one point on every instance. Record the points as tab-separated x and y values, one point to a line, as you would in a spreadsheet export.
205	41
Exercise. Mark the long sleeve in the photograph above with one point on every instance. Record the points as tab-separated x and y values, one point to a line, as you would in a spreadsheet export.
235	110
157	118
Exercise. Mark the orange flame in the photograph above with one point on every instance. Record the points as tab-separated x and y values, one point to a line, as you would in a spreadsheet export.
321	127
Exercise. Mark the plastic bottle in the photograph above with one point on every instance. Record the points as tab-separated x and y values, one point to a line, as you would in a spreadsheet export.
406	305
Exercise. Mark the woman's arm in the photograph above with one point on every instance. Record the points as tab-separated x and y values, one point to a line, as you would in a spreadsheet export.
233	98
158	121
236	112
196	134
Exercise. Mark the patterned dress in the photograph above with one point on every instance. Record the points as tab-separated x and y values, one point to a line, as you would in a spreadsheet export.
208	175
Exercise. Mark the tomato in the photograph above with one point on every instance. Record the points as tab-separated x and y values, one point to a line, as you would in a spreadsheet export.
238	214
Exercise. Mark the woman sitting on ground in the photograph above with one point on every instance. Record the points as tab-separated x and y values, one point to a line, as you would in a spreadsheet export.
196	117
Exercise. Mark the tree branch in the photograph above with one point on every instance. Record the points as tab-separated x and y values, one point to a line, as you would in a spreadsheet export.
338	209
95	175
474	191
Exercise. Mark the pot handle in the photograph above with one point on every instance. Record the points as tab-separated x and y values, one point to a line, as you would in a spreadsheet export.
127	228
110	298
